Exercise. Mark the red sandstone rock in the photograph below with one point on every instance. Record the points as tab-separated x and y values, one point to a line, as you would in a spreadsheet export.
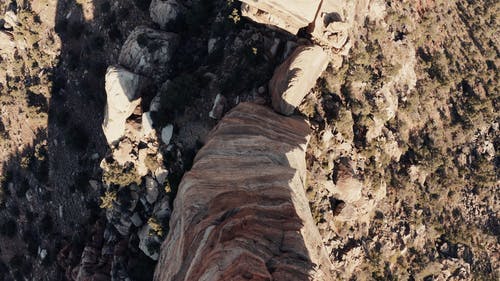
241	212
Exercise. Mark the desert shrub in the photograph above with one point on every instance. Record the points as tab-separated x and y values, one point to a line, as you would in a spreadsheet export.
107	200
121	175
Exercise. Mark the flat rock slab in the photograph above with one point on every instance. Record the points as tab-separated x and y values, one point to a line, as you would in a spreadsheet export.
293	79
241	212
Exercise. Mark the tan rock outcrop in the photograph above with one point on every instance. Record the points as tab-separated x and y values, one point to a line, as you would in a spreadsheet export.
293	79
323	19
285	14
241	212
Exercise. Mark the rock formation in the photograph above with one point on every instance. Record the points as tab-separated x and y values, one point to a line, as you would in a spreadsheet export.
287	15
322	19
122	90
164	12
241	212
293	80
148	52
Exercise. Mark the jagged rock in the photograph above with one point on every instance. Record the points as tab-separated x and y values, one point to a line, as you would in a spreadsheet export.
285	14
218	107
141	167
211	45
148	52
147	124
329	27
347	187
147	240
243	205
164	12
122	90
155	104
293	79
136	219
152	191
162	209
166	133
161	175
124	152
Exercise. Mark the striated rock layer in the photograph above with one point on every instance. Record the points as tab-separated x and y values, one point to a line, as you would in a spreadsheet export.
241	212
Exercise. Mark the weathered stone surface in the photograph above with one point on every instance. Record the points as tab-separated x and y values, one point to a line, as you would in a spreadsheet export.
285	14
148	52
293	79
7	44
164	12
241	212
122	90
329	27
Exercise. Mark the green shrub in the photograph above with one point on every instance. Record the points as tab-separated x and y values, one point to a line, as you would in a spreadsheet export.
120	175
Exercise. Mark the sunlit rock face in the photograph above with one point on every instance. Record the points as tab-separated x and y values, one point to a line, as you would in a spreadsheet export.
122	95
241	212
285	14
293	79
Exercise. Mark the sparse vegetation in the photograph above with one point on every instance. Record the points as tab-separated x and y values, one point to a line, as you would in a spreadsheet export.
121	176
108	199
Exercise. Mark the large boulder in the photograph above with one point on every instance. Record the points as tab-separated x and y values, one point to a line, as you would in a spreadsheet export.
293	79
122	92
285	14
148	52
164	12
241	212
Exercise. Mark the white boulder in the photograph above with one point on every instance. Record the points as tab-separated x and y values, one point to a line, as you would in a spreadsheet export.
122	92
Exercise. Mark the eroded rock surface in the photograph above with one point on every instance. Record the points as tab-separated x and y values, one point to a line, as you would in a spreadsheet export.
164	12
327	21
287	15
148	52
293	80
241	212
122	91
